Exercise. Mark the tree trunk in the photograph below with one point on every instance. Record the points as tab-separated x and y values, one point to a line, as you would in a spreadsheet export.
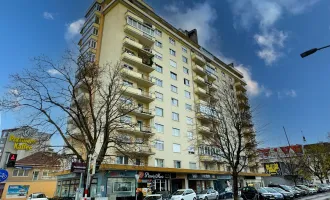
235	185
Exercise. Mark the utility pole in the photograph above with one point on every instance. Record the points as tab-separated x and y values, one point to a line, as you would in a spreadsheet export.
287	137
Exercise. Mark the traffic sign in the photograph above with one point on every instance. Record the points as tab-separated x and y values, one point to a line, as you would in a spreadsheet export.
3	175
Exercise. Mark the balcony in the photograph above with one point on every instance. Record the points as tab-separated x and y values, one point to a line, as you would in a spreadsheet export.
137	62
142	79
205	130
139	150
210	76
201	92
136	93
140	112
199	70
209	158
199	80
143	37
212	86
134	45
242	96
137	130
198	59
240	87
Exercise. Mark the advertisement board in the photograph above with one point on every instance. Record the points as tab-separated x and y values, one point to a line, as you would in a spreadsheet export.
17	191
273	168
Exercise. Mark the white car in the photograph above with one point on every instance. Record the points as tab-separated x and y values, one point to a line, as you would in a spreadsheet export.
208	195
37	196
184	194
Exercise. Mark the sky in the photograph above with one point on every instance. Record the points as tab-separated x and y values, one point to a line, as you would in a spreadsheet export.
262	38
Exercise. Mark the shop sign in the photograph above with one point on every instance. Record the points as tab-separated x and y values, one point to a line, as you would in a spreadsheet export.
22	143
224	177
202	176
122	173
67	176
17	191
153	175
78	167
273	168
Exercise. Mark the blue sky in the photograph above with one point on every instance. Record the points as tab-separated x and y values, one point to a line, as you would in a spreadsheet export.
263	39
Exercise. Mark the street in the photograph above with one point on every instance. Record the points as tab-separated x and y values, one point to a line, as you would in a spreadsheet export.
320	196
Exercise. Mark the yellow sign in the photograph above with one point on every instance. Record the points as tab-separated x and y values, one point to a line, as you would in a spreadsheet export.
22	143
272	168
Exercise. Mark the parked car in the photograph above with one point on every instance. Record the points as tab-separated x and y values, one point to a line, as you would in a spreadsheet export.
154	197
277	195
263	194
310	190
250	193
302	192
290	189
166	195
184	194
208	195
324	187
287	195
37	196
227	193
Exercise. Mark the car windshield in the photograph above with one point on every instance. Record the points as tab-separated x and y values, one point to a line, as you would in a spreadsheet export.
271	190
203	192
286	187
262	190
302	186
278	189
152	197
179	192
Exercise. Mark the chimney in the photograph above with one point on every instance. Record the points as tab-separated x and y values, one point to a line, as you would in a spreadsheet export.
193	35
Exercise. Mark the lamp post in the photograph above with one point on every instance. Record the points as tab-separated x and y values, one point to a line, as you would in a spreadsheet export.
136	183
311	51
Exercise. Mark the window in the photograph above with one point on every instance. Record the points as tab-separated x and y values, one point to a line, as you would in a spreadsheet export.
175	116
176	148
223	74
158	32
186	82
187	94
142	27
127	83
191	150
176	132
159	68
122	160
175	102
159	128
172	41
174	76
158	44
172	63
174	89
184	49
92	43
137	161
158	55
188	107
45	173
185	70
128	67
190	135
177	164
159	82
159	96
126	119
35	175
159	112
159	145
159	162
189	120
192	165
228	168
172	52
185	59
95	31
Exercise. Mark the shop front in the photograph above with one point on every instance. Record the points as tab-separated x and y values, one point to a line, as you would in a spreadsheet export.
199	182
120	184
223	182
153	181
67	185
253	181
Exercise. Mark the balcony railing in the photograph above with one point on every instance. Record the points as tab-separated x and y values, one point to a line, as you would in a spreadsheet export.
199	70
198	59
141	112
143	79
138	94
142	63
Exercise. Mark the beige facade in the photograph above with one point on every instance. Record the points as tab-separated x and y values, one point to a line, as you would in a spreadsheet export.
171	90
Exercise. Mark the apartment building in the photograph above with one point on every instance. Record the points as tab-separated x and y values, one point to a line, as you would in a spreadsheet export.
170	77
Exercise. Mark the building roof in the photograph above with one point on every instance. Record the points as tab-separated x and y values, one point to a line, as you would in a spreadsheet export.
41	159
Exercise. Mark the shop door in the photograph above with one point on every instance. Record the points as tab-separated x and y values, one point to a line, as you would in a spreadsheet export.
177	184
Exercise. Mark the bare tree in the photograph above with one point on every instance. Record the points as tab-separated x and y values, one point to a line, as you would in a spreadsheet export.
83	102
233	133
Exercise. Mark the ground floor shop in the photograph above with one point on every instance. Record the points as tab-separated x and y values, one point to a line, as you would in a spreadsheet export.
18	190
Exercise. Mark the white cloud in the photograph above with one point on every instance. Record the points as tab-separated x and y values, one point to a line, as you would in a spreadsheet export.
53	72
287	93
253	88
73	30
48	15
266	13
270	43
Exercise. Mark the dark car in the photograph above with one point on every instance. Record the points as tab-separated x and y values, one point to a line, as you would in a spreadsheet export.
226	195
287	195
302	192
290	189
249	193
265	195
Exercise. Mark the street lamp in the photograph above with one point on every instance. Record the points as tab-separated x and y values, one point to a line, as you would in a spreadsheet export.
311	51
136	184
